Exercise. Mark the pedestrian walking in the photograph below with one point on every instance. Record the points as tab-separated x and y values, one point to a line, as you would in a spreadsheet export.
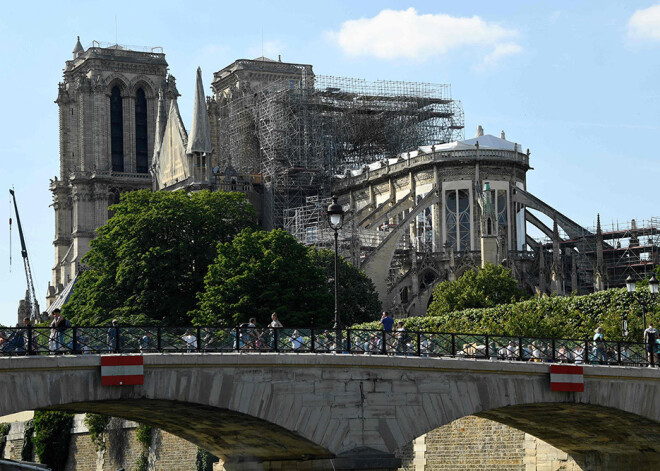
650	339
599	348
387	322
57	329
114	341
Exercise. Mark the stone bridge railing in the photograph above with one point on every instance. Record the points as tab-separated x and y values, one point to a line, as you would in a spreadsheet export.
250	339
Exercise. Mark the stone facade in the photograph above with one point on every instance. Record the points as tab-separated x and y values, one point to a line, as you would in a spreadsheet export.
469	443
107	116
308	409
167	452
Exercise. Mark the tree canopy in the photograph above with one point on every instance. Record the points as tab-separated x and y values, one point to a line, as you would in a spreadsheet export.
356	293
263	272
487	287
149	260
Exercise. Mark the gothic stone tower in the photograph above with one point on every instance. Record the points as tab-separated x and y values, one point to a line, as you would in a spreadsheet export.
107	110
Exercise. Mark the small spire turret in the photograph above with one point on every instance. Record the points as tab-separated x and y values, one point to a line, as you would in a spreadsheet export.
78	49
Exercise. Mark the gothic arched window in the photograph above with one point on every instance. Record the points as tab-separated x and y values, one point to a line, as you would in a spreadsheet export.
141	141
116	130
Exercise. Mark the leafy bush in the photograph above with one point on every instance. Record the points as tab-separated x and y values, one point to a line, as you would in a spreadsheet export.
27	450
4	431
52	435
205	460
548	316
96	424
490	286
143	435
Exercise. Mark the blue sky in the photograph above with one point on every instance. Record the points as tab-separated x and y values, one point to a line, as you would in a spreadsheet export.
575	82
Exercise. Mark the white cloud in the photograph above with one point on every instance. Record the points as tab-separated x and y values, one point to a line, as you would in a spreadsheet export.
645	24
395	34
501	50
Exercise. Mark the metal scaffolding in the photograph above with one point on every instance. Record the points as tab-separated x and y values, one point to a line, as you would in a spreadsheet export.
631	249
298	133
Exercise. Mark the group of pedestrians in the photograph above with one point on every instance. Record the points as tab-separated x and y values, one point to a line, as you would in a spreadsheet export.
394	340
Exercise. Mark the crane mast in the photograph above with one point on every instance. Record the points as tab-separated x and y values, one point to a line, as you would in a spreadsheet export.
32	297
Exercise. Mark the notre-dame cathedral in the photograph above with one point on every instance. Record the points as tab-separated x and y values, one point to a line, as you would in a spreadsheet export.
422	204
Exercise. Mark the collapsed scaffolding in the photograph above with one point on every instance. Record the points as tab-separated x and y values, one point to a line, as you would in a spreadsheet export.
299	133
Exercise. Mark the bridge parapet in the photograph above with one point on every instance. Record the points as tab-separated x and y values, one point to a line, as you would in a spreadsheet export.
314	408
250	340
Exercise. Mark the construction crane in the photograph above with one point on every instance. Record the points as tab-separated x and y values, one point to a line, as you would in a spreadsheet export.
32	297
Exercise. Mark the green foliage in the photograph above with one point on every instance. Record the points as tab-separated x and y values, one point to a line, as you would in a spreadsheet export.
356	293
4	431
260	272
52	435
560	317
27	450
142	462
150	259
143	435
205	460
96	424
263	272
488	287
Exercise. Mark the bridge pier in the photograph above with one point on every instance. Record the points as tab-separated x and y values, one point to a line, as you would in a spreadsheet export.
362	458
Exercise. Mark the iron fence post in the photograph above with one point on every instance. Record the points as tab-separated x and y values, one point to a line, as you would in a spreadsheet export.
199	339
587	352
453	345
487	347
554	350
117	341
384	342
159	339
74	340
348	340
520	349
237	332
419	344
29	339
618	352
313	339
276	339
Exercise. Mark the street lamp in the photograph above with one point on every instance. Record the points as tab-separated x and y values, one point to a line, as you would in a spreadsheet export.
631	286
336	220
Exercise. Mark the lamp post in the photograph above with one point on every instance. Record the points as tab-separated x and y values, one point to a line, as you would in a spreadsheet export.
631	286
336	220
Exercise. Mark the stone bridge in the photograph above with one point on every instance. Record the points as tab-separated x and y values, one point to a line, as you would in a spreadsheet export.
324	411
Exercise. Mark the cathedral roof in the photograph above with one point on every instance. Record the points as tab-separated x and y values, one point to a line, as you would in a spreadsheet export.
199	139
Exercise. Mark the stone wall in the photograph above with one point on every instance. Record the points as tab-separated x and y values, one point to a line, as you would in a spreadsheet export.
470	443
167	452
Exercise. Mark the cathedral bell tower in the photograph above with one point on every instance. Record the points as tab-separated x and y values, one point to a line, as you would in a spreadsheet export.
107	116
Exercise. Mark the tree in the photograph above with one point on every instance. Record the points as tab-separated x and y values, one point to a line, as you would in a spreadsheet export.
259	273
356	293
263	272
487	287
149	260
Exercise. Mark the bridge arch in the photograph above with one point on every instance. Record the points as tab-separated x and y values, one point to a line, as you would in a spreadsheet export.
337	405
